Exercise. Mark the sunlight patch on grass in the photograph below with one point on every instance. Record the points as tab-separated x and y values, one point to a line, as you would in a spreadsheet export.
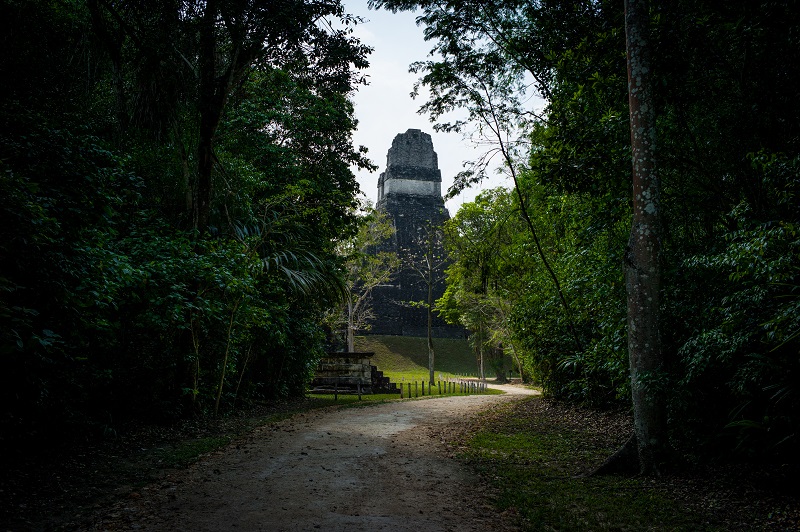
416	392
405	357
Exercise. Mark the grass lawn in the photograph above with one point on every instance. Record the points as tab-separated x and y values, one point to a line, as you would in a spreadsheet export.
405	359
416	392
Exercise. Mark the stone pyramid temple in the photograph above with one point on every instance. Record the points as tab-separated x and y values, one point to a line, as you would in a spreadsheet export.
410	193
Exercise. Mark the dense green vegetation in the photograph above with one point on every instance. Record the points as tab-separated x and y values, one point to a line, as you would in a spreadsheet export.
173	179
537	454
539	269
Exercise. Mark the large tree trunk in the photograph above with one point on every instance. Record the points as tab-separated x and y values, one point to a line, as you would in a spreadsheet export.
209	118
643	273
213	93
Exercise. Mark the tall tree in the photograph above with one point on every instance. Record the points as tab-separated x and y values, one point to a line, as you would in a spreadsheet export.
642	261
366	267
720	77
233	36
223	43
479	246
110	307
427	262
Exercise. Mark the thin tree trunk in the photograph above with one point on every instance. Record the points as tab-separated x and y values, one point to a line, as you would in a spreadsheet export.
195	364
351	334
430	326
504	150
483	372
225	358
241	375
517	360
642	271
430	263
481	342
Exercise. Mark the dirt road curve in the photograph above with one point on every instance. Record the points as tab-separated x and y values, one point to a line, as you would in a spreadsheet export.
376	468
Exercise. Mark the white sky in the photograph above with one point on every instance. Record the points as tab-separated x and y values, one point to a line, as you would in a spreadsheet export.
384	108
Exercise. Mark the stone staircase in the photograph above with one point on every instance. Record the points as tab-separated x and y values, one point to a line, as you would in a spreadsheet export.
381	384
350	373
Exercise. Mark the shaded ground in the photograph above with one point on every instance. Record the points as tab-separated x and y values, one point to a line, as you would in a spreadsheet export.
49	484
400	465
375	468
538	452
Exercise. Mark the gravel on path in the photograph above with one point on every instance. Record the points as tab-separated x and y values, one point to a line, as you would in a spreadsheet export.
381	467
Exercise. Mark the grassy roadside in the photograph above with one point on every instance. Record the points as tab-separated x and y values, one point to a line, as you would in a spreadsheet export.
537	454
405	358
416	393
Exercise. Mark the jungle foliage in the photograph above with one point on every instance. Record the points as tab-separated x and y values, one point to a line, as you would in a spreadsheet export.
728	158
173	179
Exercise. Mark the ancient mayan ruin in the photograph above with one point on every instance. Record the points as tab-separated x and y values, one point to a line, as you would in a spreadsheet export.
410	192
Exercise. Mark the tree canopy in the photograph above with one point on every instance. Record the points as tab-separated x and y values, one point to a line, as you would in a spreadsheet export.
175	176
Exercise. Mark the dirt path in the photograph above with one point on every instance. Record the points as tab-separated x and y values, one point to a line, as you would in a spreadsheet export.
376	468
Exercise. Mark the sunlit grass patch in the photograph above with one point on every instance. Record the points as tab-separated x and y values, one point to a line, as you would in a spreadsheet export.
416	392
326	399
405	357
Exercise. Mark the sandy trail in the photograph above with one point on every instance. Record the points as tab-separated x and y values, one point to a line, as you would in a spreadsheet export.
376	468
